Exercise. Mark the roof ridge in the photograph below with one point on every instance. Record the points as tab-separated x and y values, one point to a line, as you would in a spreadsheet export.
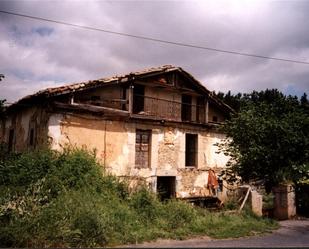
77	85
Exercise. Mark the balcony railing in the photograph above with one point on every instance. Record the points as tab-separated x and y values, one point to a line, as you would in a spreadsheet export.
169	110
156	108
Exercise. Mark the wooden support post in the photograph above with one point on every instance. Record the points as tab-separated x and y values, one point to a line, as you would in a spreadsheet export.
72	99
246	197
206	111
131	88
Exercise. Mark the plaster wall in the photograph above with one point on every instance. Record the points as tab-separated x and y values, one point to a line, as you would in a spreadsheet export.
21	122
114	143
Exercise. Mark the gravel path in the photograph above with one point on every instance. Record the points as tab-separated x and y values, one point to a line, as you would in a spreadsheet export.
292	233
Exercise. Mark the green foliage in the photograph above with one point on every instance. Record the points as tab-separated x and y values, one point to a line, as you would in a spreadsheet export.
146	203
268	139
53	199
268	201
2	107
179	214
233	101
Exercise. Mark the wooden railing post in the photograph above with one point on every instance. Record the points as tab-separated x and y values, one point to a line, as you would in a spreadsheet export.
206	111
130	98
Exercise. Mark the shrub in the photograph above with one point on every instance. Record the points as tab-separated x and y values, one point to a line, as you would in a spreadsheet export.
179	214
53	199
145	203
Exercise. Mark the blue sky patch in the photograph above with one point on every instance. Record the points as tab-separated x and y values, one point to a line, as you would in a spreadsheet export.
55	78
43	31
22	74
294	91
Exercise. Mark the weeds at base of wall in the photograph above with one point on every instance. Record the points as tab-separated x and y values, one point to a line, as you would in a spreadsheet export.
52	199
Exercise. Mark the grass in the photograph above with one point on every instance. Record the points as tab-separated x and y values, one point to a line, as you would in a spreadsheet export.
53	199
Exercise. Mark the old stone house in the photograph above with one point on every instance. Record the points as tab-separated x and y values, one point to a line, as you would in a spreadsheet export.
160	125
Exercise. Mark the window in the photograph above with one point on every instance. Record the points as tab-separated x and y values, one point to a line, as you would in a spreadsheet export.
171	79
32	134
95	98
142	148
31	138
200	110
191	150
124	99
11	140
186	102
138	98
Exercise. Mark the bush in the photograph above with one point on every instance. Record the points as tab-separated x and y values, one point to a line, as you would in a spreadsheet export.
53	199
146	204
179	214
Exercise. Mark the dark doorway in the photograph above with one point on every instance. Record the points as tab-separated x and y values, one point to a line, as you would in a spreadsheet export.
186	112
191	150
302	199
166	187
138	98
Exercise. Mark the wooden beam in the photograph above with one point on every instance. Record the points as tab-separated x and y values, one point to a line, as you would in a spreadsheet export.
207	111
131	88
91	108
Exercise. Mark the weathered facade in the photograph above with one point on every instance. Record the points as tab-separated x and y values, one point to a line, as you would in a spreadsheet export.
160	125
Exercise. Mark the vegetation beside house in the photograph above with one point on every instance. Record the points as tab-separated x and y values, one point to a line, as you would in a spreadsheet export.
268	140
65	199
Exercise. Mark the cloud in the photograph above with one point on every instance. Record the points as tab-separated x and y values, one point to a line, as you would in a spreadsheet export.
38	54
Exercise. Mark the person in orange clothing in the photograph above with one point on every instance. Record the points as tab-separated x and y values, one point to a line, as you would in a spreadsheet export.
212	182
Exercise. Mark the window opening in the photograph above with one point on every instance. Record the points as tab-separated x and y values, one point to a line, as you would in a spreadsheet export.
138	98
186	112
124	98
95	98
200	110
142	148
171	79
31	139
191	150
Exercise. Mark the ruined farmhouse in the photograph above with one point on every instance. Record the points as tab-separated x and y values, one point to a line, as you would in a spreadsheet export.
159	125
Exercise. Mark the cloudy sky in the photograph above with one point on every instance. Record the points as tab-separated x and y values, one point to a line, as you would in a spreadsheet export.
36	55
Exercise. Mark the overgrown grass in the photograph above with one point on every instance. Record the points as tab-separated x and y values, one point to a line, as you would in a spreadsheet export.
53	199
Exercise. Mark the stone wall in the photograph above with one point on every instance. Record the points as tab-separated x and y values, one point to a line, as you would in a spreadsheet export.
114	142
21	123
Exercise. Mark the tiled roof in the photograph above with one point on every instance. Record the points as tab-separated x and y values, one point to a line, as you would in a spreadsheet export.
91	83
115	79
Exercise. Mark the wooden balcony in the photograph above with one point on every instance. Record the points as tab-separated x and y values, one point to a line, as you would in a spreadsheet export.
156	108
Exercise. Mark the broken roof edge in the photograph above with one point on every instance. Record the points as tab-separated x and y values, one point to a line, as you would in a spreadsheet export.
70	88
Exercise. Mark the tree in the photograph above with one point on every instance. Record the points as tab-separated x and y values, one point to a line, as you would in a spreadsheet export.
268	139
233	101
304	102
2	108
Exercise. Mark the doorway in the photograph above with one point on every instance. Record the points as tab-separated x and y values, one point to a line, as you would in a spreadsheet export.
166	187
